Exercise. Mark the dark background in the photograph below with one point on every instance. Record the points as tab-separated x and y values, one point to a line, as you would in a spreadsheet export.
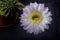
16	32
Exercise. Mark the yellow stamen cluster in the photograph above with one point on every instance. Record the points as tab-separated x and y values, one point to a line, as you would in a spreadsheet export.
35	17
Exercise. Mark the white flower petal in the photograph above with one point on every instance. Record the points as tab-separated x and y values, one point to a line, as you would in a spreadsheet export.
26	10
36	29
26	28
49	19
41	27
49	14
46	20
30	30
41	7
30	8
24	15
34	6
46	27
45	10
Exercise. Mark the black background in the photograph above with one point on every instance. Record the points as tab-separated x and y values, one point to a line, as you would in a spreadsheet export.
16	32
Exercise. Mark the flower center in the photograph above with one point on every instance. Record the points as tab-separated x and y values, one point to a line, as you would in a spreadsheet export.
36	17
